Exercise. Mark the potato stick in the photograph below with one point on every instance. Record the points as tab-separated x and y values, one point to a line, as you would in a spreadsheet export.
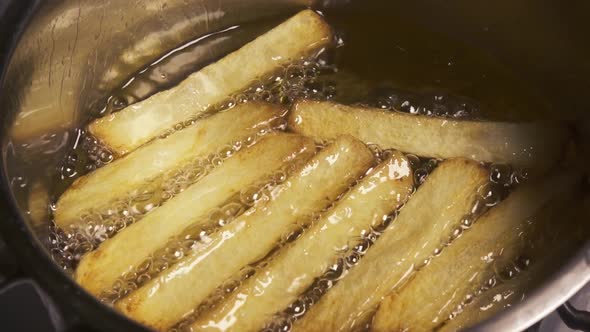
132	173
164	300
135	125
100	269
295	269
566	224
501	297
495	241
495	300
529	145
423	225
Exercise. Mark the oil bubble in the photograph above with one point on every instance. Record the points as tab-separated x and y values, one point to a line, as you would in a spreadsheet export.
500	174
420	176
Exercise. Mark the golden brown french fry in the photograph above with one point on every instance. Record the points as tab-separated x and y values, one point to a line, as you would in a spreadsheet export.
288	275
495	241
527	145
423	225
131	173
164	300
99	269
135	125
562	227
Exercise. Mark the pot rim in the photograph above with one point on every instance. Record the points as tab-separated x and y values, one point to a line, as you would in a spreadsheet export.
563	284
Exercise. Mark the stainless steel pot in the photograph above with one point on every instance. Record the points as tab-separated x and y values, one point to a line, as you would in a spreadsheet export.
60	59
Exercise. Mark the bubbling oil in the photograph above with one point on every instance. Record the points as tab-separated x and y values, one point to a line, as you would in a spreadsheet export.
194	237
294	82
292	233
316	78
103	222
347	258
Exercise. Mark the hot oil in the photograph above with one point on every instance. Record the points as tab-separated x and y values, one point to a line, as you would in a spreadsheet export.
297	81
489	196
385	50
103	222
378	62
194	237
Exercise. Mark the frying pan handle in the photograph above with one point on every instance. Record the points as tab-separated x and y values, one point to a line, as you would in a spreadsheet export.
574	319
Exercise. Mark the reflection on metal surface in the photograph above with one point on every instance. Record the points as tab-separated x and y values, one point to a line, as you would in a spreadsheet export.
74	53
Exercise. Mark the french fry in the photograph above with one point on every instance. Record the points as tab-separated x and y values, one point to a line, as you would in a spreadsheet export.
499	236
164	300
148	164
423	225
495	300
99	269
289	274
528	145
499	298
572	228
135	125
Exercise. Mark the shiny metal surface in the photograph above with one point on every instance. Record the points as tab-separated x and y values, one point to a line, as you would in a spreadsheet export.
74	52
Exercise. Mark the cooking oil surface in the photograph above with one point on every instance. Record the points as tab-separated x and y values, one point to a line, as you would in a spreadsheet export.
393	65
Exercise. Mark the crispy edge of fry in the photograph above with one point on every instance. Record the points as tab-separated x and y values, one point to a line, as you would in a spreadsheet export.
384	190
528	145
431	296
148	163
99	269
423	225
222	257
135	125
